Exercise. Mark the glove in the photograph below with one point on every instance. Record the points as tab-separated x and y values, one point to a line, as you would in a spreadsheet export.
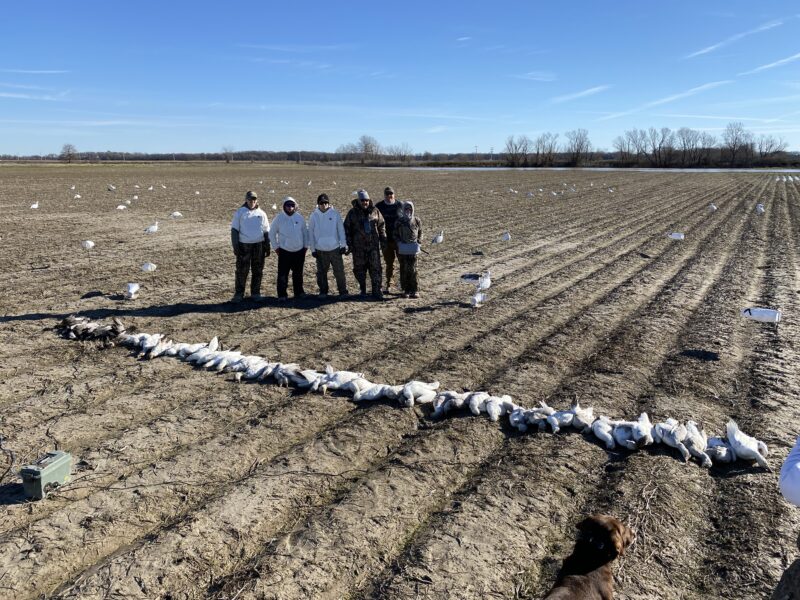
277	251
266	250
384	245
235	242
344	251
314	253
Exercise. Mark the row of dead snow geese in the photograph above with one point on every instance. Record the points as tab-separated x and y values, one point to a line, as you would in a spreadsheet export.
689	440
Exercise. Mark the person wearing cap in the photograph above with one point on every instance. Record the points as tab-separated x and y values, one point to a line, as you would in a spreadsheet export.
248	227
408	233
288	236
392	211
365	231
327	243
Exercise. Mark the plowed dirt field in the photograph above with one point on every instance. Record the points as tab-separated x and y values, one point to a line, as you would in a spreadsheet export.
189	485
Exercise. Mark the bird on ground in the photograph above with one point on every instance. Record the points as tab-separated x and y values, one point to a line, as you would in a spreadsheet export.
111	188
507	236
197	192
672	433
35	204
642	431
152	229
712	207
720	451
478	298
446	401
477	402
538	415
148	267
121	207
696	442
584	417
309	183
128	202
176	215
163	187
150	189
132	291
439	238
72	187
760	209
484	281
603	429
745	446
518	419
623	434
274	207
559	419
419	392
136	197
76	197
87	244
136	186
498	406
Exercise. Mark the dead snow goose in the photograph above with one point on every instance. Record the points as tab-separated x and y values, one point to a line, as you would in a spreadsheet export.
419	392
623	434
477	402
602	429
559	419
696	442
720	451
672	433
584	417
745	446
518	419
642	431
446	401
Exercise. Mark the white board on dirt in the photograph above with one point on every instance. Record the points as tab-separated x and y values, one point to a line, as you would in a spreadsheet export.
763	315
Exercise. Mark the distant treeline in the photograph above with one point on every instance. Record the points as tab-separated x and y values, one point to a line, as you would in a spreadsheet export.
654	148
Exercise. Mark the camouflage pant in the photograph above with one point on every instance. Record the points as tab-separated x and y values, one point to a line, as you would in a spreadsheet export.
389	256
408	274
251	256
367	260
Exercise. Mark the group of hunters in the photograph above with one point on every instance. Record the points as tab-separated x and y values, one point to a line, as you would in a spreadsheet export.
389	228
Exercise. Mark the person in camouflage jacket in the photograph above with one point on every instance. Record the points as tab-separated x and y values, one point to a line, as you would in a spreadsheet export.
365	231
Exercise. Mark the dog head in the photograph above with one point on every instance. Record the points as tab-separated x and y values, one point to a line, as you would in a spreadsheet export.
605	534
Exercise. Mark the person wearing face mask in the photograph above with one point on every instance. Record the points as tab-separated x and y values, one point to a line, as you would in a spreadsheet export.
288	236
327	243
365	230
248	227
408	233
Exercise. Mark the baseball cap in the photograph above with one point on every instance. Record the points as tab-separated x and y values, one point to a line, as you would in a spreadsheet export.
322	198
251	195
388	190
363	195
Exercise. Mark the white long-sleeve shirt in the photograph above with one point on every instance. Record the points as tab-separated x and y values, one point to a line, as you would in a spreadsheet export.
288	233
326	230
251	225
790	475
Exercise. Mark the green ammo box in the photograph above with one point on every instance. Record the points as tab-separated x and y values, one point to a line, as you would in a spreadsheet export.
46	474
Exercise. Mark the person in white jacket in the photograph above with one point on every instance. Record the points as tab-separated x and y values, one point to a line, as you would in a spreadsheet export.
790	476
328	244
248	232
288	236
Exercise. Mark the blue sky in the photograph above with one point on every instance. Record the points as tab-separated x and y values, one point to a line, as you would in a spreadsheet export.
439	76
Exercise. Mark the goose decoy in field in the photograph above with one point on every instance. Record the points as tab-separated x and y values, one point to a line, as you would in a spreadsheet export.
197	192
507	236
478	298
720	451
135	198
136	186
602	429
132	291
176	215
163	187
309	183
72	187
150	189
76	197
696	442
712	207
484	281
111	188
676	235
439	238
760	210
87	244
274	207
35	205
745	446
121	207
672	433
763	315
152	229
148	267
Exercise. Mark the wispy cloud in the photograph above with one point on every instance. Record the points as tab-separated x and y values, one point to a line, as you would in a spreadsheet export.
33	72
100	123
435	115
772	65
716	117
298	49
668	99
537	76
759	101
300	64
437	129
466	38
735	38
17	86
46	98
589	92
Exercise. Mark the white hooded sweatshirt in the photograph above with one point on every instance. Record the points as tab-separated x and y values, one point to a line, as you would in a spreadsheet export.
790	476
326	230
288	233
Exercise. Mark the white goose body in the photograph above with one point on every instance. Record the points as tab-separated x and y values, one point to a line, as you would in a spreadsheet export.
745	446
602	429
623	434
559	419
720	451
672	433
419	392
696	442
477	402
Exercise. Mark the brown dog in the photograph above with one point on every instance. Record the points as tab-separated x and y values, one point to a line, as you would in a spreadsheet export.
586	573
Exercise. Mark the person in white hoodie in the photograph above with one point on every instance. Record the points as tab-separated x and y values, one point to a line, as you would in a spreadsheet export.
790	476
327	243
288	236
248	232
